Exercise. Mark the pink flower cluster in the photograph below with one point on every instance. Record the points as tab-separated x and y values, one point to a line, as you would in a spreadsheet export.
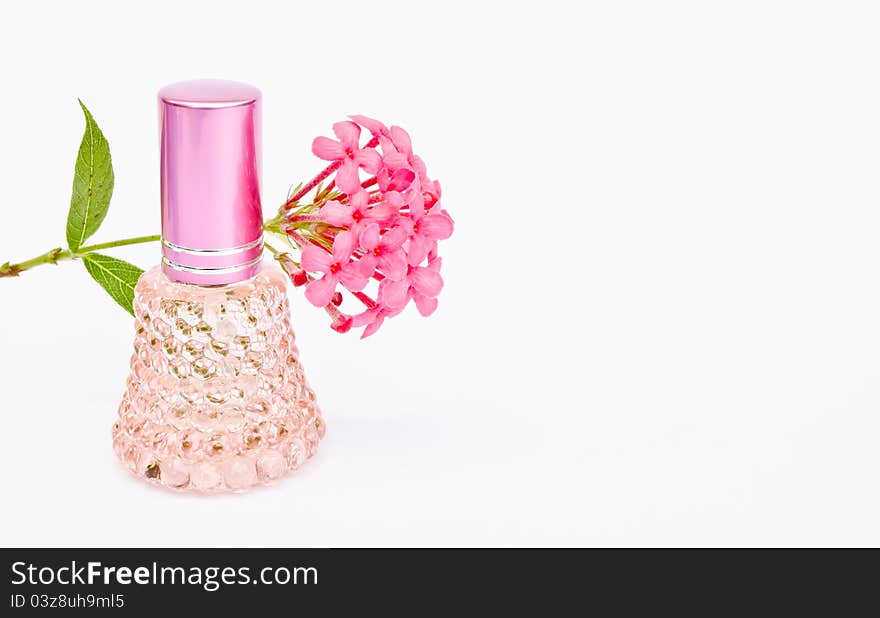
376	223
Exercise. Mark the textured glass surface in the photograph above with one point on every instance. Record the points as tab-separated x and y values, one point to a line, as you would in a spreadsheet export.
216	399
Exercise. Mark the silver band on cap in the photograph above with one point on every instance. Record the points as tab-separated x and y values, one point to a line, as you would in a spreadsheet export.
215	252
224	270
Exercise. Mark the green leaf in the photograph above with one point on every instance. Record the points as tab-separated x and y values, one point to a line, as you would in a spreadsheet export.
118	277
92	185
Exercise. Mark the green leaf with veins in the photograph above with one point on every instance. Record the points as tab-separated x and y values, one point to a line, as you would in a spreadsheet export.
117	277
92	184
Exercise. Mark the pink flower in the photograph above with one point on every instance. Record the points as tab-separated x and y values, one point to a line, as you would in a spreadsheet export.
390	258
422	284
425	232
384	225
348	151
397	152
337	268
357	213
427	304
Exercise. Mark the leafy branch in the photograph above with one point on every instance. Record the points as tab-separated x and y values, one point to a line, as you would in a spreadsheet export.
89	201
53	256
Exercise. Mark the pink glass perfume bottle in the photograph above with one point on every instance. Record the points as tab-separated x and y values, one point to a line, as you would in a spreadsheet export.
216	399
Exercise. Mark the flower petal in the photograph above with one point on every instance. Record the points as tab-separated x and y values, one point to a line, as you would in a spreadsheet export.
382	178
426	281
387	145
419	166
369	237
368	159
418	249
373	126
347	178
432	188
394	293
425	304
434	263
352	278
359	200
393	238
343	245
327	149
320	291
348	133
366	265
336	214
372	327
401	140
357	227
401	179
315	259
395	160
380	211
437	227
388	312
416	202
366	317
393	265
394	199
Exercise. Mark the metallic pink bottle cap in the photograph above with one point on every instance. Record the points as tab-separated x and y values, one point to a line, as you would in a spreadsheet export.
212	220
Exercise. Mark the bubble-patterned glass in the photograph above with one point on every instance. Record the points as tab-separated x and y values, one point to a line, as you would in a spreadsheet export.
216	399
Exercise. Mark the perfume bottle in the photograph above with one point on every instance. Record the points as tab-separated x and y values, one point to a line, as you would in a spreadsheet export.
216	399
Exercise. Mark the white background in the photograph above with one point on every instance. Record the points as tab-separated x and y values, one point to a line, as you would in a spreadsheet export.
660	321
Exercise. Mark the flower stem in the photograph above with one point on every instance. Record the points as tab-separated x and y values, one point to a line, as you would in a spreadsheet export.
313	183
118	243
305	219
368	302
298	239
53	256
